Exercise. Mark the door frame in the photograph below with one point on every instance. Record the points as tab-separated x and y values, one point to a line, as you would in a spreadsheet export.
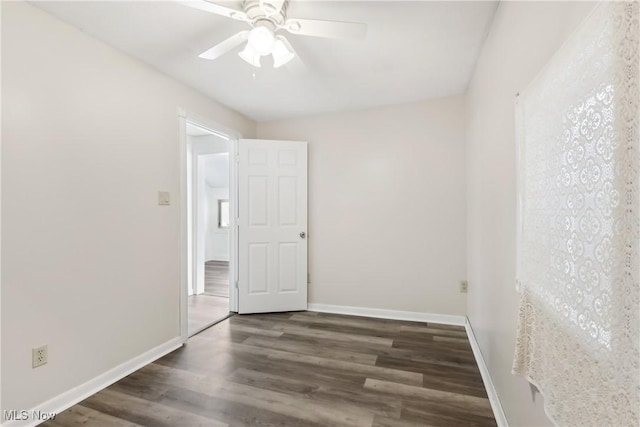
187	261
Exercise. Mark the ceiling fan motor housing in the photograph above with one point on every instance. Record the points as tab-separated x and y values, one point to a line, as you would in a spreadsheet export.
266	10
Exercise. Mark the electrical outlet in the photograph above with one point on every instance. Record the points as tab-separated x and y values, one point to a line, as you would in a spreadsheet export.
464	286
38	356
164	198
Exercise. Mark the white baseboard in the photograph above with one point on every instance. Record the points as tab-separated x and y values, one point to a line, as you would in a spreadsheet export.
379	313
81	392
498	413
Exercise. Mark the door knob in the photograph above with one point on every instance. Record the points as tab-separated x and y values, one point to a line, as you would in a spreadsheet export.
303	234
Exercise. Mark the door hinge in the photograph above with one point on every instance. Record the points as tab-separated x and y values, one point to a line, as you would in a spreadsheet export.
236	284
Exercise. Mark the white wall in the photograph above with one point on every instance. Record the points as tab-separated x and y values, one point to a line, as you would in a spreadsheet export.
90	262
386	205
0	231
523	37
216	239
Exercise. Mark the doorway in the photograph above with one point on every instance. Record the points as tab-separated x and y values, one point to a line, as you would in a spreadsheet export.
211	244
266	270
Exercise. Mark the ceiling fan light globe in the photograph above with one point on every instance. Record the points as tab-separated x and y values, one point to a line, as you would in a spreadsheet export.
262	40
281	54
250	56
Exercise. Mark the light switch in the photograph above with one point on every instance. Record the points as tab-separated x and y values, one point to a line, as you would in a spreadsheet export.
164	198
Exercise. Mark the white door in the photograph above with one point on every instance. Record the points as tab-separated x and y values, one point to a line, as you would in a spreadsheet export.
272	219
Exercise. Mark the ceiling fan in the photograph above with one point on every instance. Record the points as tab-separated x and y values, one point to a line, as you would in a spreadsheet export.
266	18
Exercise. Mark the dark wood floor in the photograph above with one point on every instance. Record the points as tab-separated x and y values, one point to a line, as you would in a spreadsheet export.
301	369
216	278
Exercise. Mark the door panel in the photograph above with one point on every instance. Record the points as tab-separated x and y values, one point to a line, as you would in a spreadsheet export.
272	226
287	267
258	268
287	201
258	208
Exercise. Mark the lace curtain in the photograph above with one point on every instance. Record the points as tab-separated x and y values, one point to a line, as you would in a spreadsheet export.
578	243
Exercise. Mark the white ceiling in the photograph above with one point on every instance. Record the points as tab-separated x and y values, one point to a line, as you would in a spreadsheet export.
413	50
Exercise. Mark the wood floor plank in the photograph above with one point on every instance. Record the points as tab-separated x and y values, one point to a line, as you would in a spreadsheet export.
269	317
256	331
291	406
327	392
154	379
427	351
444	326
429	368
429	412
334	335
400	376
453	339
303	348
452	375
253	358
238	357
254	322
317	376
435	331
338	344
232	412
434	356
390	333
435	346
79	415
144	412
471	404
140	386
377	325
301	369
346	321
380	421
375	320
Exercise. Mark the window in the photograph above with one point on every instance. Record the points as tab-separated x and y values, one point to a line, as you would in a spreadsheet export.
578	260
223	213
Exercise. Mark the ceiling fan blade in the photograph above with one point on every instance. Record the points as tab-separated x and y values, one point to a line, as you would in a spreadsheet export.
216	8
225	46
329	29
